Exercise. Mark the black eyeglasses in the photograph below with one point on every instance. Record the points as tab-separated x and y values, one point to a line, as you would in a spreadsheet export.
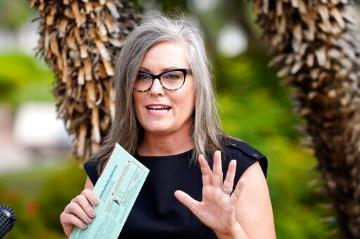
170	80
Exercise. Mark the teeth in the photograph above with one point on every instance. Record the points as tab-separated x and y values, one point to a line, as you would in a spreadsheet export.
158	107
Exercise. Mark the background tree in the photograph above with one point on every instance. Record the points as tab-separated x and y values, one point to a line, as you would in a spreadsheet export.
316	50
80	41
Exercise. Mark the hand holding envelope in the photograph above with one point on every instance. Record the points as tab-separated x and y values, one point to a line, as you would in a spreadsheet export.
116	191
82	205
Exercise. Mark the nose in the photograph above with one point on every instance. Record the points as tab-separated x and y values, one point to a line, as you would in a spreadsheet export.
156	88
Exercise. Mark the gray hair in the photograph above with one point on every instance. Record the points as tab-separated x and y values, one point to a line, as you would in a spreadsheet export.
125	128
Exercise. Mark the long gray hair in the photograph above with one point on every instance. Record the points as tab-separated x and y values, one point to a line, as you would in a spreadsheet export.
125	128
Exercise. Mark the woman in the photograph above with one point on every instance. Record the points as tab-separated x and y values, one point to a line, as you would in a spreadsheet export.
166	117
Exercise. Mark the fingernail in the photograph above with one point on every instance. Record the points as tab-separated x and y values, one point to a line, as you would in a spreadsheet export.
92	214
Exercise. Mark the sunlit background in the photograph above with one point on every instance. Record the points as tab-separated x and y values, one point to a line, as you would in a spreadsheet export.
38	175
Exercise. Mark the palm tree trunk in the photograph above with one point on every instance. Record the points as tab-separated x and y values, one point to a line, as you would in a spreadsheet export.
317	51
80	41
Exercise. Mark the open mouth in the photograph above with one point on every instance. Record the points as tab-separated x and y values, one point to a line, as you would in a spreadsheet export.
158	107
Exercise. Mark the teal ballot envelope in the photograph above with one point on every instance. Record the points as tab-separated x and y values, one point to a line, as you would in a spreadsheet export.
117	189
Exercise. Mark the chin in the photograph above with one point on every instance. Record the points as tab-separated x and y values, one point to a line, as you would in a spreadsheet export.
157	128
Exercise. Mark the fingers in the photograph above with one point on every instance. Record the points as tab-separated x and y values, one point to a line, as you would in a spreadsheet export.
237	192
217	178
214	177
79	212
230	175
76	209
91	196
68	220
205	171
188	201
84	204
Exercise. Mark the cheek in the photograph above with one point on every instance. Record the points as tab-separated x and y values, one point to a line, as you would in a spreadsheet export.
187	102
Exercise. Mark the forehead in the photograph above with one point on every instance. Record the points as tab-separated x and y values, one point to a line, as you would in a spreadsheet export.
167	54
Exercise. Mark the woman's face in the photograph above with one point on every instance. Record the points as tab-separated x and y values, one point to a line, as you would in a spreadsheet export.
158	110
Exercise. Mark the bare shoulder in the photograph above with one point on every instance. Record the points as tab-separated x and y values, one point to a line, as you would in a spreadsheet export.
254	210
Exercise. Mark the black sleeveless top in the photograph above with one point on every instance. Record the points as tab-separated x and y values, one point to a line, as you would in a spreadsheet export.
156	212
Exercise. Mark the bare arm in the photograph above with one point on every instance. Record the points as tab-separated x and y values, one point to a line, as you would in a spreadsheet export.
254	212
88	184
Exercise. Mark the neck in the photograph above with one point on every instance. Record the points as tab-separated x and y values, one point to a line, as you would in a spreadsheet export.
162	144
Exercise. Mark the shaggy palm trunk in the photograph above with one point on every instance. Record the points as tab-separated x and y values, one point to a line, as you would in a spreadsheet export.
317	51
80	41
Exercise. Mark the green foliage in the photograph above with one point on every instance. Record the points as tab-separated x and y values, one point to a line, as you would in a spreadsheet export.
253	98
297	208
38	197
14	13
62	186
24	78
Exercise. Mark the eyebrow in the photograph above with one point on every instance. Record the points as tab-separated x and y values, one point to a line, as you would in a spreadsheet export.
162	70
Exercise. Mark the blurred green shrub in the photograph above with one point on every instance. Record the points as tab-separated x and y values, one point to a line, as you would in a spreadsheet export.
38	196
57	191
14	13
24	78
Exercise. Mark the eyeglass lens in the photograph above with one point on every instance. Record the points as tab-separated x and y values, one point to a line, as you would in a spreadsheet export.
171	80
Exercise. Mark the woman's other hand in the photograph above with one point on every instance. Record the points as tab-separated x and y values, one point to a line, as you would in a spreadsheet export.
79	212
219	201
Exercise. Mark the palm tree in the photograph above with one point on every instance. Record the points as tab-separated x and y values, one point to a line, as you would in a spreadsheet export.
316	50
80	41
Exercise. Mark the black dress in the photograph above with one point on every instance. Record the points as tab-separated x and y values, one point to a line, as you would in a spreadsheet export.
157	214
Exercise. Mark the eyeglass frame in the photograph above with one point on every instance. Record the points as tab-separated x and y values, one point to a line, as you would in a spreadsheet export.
183	70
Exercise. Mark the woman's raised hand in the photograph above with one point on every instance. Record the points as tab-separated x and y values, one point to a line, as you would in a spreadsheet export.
79	212
219	201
